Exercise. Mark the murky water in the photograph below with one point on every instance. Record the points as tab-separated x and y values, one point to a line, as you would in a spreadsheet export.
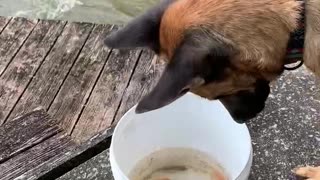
97	11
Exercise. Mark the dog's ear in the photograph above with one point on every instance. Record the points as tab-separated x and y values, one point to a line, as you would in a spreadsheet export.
142	31
193	64
174	82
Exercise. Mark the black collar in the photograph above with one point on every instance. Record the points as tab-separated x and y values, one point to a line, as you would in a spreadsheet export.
296	43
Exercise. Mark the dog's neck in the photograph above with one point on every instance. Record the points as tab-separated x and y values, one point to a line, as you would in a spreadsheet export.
296	42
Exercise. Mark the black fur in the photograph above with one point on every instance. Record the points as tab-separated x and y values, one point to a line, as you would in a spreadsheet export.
245	105
143	31
196	59
211	56
201	55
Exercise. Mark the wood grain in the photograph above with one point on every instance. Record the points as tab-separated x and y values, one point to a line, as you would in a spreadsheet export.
47	81
25	64
145	77
13	35
3	22
35	157
78	86
106	96
24	132
75	154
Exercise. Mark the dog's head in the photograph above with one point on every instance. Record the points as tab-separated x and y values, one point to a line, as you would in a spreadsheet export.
200	59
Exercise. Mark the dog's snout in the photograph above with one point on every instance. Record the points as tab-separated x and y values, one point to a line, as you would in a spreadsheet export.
246	105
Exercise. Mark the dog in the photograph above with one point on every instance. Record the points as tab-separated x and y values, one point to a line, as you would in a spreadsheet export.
222	49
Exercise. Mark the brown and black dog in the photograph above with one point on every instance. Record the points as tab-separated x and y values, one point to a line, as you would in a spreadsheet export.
221	49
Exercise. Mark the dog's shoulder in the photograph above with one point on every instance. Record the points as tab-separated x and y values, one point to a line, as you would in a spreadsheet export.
312	36
259	29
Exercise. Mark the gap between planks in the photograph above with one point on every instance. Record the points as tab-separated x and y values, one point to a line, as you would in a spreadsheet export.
118	103
7	21
24	132
53	56
73	97
127	86
146	75
72	65
100	109
14	39
60	26
47	81
91	91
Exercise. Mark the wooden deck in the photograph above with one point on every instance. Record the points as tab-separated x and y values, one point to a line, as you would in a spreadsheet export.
61	90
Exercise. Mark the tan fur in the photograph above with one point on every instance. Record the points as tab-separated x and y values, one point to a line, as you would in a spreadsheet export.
236	81
258	29
312	40
309	172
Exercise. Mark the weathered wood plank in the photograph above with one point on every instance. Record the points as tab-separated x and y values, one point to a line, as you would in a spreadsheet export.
35	157
81	80
47	81
145	77
104	101
24	132
12	38
3	22
76	154
23	67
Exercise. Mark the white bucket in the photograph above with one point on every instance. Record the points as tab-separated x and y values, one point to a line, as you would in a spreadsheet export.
190	122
